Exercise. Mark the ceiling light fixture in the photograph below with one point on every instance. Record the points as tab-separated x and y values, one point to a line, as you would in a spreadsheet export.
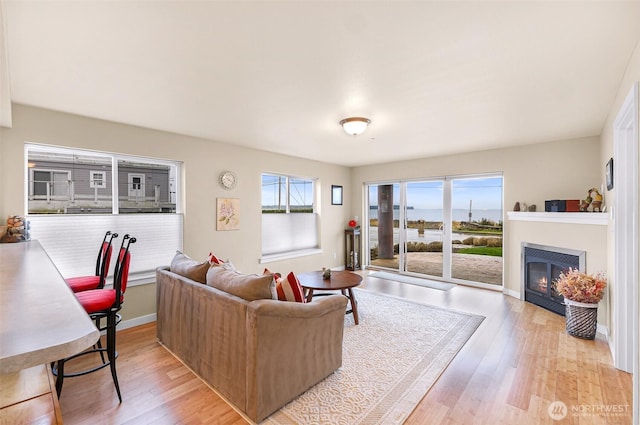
355	125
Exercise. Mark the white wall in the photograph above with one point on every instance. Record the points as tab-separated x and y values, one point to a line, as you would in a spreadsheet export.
203	161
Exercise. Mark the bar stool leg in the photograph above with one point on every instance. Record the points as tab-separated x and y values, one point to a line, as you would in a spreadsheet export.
60	377
111	350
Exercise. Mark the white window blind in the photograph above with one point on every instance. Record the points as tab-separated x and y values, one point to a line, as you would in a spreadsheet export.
72	241
289	232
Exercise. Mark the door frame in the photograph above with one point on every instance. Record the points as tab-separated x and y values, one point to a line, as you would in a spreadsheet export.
625	332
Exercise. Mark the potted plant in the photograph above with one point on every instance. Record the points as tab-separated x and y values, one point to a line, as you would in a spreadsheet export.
582	293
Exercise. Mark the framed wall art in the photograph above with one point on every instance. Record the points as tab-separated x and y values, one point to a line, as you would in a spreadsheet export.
609	174
228	214
336	195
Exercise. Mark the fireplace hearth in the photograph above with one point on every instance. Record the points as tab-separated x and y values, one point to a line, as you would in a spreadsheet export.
541	266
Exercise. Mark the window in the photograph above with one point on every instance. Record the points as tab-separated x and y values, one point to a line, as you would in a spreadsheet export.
73	181
98	179
283	194
289	220
49	184
74	196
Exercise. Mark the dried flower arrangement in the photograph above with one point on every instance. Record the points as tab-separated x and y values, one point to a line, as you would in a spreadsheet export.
581	287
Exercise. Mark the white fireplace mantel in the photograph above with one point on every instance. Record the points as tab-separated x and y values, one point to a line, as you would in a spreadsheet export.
560	217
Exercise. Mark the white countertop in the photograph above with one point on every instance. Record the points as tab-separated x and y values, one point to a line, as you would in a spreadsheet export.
40	319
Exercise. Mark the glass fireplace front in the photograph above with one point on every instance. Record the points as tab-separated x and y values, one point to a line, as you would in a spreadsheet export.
542	266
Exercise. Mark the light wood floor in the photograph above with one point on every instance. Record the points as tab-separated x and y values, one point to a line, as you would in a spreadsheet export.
519	361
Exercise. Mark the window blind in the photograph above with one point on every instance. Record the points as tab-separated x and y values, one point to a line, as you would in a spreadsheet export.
289	232
72	241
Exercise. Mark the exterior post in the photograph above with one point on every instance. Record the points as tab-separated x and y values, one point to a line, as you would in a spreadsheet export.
385	221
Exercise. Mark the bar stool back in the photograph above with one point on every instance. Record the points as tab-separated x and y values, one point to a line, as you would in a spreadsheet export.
97	281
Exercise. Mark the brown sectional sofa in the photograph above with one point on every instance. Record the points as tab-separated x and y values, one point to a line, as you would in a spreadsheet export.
257	353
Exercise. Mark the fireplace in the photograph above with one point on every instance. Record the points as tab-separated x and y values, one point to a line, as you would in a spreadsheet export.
541	266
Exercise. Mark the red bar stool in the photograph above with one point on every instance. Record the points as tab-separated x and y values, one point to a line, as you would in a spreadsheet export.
99	304
97	281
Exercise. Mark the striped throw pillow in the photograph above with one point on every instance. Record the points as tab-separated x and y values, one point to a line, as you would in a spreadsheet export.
289	289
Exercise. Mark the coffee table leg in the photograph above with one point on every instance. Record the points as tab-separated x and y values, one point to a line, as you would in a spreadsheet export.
354	306
309	295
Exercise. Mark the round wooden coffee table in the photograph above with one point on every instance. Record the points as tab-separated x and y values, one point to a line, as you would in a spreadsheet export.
343	281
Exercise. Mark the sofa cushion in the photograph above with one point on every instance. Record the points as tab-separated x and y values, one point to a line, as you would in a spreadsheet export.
185	266
248	287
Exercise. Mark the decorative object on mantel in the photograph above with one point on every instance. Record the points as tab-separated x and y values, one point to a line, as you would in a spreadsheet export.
593	200
582	293
596	204
524	207
17	229
562	205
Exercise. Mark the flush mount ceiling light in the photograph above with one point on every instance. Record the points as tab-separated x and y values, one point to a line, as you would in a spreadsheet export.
355	125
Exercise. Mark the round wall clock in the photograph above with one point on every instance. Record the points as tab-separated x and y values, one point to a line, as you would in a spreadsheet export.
228	180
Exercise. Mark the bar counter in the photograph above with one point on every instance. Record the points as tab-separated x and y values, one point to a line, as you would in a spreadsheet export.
40	319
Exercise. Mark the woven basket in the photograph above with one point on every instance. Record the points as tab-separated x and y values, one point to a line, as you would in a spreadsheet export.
582	319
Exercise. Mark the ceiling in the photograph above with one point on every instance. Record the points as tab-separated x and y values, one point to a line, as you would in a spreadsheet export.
435	78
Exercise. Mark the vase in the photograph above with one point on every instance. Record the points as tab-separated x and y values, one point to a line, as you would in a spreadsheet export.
582	319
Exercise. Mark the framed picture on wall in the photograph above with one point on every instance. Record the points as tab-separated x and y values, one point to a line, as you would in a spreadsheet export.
228	214
336	195
609	174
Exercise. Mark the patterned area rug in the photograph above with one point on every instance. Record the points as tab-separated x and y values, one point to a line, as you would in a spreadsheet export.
390	360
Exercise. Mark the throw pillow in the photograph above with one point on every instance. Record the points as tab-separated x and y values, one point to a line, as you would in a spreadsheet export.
192	269
290	289
214	261
276	278
248	287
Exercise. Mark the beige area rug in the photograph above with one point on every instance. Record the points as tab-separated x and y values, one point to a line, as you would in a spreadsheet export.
390	360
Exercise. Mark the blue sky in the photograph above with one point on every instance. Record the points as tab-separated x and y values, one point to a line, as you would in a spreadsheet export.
485	193
301	190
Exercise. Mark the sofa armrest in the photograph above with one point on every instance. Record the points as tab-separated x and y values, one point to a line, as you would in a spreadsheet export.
290	347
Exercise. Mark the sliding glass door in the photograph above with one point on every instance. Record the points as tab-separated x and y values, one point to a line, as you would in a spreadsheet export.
447	228
476	248
424	228
384	222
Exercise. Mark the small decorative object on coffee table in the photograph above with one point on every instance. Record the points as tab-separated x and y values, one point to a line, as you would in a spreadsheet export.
582	293
326	273
343	281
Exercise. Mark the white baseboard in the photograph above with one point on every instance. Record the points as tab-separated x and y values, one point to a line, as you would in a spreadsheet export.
137	321
511	293
601	329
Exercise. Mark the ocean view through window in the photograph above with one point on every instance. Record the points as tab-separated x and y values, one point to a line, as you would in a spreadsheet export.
448	228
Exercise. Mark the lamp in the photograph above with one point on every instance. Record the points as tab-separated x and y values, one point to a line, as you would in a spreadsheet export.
355	125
